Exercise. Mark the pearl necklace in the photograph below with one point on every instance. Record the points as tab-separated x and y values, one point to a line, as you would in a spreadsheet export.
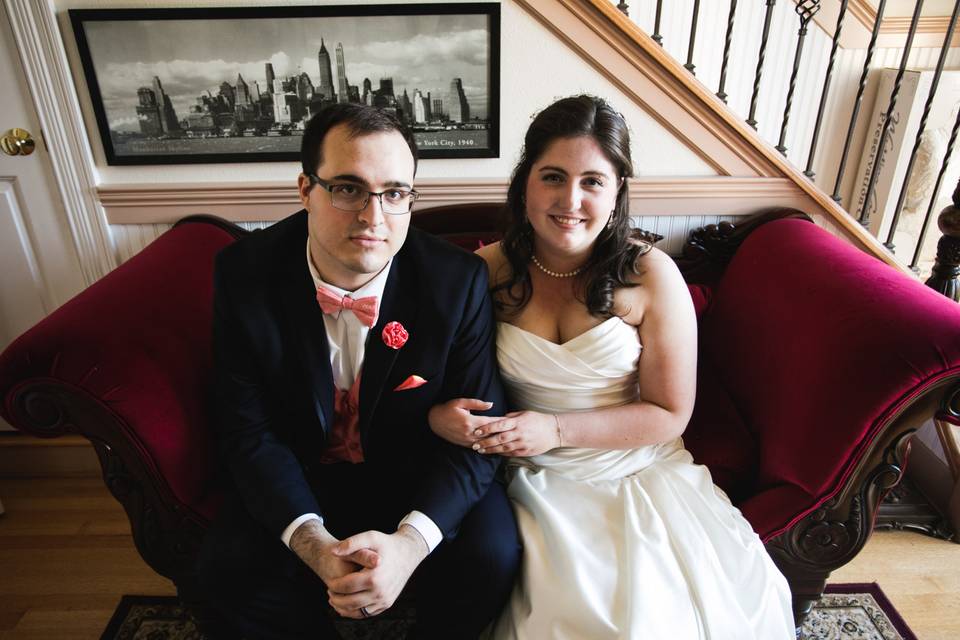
555	274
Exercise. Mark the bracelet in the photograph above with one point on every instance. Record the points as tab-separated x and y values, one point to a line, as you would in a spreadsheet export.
559	432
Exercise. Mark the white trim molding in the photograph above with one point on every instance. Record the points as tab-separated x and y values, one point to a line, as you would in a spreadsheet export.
257	202
44	60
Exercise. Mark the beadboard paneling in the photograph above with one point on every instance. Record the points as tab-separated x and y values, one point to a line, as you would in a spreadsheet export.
675	229
748	28
131	238
848	67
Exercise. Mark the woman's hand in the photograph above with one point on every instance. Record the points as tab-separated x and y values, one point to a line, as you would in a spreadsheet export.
453	421
520	434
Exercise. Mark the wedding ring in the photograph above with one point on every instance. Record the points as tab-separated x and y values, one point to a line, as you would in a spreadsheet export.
364	612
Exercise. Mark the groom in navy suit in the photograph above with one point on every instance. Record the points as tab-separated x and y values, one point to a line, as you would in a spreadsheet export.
335	331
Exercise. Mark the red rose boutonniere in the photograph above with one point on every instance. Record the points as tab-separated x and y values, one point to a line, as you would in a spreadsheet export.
394	335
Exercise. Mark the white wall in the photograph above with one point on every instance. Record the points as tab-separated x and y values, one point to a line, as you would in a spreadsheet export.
535	69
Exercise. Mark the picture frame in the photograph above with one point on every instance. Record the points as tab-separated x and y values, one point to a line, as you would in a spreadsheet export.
212	85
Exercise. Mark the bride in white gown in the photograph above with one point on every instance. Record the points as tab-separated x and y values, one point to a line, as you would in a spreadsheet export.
624	536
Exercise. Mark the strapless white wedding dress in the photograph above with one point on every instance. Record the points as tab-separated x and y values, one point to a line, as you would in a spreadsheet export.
624	543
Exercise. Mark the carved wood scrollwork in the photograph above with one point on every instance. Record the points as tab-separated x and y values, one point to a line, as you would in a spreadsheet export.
44	412
713	240
950	406
906	509
832	535
710	249
167	538
918	504
828	537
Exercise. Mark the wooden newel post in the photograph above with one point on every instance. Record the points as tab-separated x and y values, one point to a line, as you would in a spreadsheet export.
946	269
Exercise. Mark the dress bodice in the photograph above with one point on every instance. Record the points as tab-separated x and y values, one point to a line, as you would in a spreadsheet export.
594	370
598	368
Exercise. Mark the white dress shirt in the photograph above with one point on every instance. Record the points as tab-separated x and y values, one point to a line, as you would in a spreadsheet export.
346	337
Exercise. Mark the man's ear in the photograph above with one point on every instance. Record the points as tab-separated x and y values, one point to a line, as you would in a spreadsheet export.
303	188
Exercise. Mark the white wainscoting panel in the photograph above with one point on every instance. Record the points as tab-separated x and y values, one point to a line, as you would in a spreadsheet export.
675	229
254	226
131	238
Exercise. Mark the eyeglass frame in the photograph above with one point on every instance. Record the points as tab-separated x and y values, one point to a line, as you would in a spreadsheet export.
328	187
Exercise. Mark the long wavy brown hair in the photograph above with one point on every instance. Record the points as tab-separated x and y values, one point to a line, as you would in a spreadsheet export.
614	256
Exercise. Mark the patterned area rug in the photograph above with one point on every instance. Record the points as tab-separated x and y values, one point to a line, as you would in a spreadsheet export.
855	611
846	612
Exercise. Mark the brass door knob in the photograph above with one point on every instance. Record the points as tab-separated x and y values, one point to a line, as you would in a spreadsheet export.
17	142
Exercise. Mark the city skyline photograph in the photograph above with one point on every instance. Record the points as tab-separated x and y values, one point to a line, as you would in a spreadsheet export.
161	82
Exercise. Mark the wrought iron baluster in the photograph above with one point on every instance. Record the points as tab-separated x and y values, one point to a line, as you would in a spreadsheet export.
624	8
826	89
923	124
726	51
946	269
936	191
656	24
693	37
752	120
806	9
859	99
877	161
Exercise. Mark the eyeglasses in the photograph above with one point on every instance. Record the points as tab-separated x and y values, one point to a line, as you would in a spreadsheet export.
350	197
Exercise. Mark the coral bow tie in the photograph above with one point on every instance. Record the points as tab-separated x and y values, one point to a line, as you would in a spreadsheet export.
364	308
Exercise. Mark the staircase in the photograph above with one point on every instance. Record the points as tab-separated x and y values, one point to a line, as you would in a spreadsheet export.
819	84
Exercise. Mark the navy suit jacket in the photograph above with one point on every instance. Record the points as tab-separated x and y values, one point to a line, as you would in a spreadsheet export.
274	386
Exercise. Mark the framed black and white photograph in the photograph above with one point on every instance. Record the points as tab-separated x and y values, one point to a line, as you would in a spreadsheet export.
173	86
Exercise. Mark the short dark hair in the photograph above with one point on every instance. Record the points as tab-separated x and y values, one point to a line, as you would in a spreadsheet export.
360	119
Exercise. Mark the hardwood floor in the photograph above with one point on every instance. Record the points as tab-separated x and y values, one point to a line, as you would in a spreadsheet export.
66	557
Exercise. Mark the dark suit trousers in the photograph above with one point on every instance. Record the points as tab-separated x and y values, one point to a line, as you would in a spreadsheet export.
265	591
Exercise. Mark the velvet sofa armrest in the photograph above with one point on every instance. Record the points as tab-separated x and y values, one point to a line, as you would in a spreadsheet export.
126	363
821	346
833	359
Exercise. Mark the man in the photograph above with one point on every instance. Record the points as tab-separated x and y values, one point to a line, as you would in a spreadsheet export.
335	331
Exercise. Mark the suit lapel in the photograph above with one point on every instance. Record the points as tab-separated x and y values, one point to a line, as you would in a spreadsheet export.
305	321
398	304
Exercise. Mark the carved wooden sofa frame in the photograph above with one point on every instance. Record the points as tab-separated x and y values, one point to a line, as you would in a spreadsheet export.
39	398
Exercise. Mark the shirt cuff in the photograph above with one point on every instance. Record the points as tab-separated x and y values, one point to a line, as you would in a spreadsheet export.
425	527
288	532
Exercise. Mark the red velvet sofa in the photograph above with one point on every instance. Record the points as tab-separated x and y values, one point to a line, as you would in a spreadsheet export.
816	363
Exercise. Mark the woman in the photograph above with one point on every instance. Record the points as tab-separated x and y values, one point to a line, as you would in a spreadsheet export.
624	537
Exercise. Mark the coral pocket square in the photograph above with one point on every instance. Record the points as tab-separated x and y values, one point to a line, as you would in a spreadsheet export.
411	383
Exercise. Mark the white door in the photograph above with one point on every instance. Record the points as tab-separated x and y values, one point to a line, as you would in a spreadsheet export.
39	268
